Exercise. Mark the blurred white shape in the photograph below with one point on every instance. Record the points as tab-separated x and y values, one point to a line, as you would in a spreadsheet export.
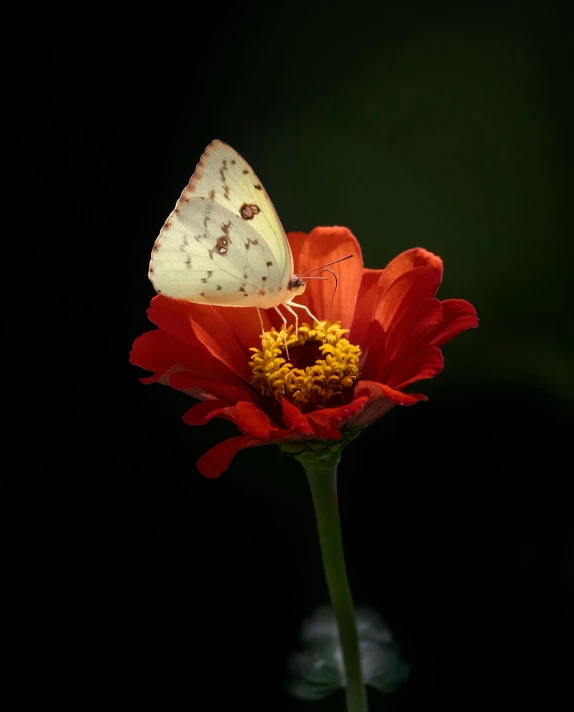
317	669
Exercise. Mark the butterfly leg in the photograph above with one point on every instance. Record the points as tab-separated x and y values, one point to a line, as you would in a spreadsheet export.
296	318
285	327
262	328
302	306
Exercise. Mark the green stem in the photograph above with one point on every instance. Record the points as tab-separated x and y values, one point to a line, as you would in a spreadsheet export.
322	478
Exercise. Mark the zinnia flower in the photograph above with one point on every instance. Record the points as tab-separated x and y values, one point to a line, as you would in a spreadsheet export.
382	333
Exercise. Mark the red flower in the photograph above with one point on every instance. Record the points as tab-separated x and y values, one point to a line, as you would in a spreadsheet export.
393	316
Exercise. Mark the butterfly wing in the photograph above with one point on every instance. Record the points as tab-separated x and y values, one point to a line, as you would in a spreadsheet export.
207	254
224	224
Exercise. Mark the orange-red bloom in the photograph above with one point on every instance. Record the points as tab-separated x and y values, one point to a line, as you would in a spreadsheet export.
393	317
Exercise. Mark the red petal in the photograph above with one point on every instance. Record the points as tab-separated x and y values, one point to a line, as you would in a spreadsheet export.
365	307
245	324
334	418
395	396
191	323
322	245
252	420
378	404
458	315
392	328
412	327
216	460
406	261
158	351
297	241
406	290
376	282
184	381
293	417
203	412
381	399
326	432
425	362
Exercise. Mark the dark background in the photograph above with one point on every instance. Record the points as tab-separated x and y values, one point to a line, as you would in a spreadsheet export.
134	580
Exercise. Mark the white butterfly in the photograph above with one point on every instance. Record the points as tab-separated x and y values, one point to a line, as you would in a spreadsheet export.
223	244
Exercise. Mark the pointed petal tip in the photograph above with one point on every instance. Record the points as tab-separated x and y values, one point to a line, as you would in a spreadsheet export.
218	459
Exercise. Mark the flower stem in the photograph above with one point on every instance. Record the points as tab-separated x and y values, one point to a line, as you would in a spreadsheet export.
322	478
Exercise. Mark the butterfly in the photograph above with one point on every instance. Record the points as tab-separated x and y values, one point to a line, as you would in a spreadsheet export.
223	243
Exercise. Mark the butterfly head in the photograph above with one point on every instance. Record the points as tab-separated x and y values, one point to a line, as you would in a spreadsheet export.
297	282
296	285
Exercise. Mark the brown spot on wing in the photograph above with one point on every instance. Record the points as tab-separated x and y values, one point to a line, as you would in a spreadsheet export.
242	288
212	194
264	278
250	242
245	171
269	264
249	210
188	262
257	186
222	172
221	246
226	228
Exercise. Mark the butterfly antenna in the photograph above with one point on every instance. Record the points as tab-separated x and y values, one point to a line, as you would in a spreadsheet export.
325	278
342	259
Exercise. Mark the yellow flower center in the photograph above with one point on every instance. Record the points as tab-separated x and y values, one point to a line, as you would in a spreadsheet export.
322	370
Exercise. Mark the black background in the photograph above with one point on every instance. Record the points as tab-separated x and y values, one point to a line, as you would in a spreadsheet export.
134	580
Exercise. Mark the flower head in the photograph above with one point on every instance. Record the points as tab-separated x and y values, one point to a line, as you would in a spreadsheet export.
382	333
320	371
